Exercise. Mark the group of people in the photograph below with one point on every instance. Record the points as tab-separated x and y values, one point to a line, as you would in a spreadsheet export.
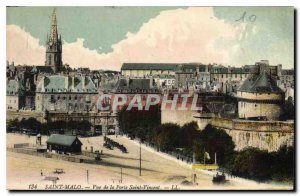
110	144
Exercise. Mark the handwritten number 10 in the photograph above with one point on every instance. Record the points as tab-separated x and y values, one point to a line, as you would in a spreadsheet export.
250	18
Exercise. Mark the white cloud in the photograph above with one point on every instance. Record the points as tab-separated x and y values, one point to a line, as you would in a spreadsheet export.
22	48
181	35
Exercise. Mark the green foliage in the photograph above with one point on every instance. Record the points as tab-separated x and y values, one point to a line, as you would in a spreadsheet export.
188	134
283	164
253	163
49	127
13	123
140	123
214	140
30	123
260	165
167	136
288	110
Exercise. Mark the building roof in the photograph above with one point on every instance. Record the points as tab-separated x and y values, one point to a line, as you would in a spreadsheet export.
14	87
109	85
262	83
219	69
149	66
58	83
135	84
165	76
64	140
42	69
287	72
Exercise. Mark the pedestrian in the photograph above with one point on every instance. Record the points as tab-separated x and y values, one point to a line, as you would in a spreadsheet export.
41	172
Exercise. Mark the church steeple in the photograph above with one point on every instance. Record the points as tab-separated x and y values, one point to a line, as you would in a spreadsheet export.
54	34
54	46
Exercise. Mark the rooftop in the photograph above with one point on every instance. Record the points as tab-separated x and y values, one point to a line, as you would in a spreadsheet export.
149	66
262	83
58	83
64	140
14	87
135	84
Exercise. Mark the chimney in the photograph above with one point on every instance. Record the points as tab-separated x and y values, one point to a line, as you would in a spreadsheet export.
83	82
127	81
43	83
73	82
151	82
66	82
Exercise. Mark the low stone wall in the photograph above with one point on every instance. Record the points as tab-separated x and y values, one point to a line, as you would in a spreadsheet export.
11	115
26	151
66	158
266	135
247	125
178	117
23	145
46	155
88	154
222	123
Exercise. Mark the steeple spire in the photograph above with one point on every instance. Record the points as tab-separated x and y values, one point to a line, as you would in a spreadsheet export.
53	33
54	47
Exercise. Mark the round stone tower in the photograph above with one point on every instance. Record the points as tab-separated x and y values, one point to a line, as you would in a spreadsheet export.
259	98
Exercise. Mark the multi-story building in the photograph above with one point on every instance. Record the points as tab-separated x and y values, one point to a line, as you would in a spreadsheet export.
287	78
14	95
166	82
185	76
66	94
227	79
148	69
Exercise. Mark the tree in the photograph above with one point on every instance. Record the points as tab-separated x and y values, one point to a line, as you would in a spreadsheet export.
253	163
167	136
283	164
12	125
138	123
288	110
189	133
31	123
214	140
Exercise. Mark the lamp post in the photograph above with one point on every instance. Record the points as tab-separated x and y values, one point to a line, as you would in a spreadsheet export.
140	158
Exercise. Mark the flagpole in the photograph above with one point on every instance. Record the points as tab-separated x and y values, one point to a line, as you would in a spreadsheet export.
215	158
204	156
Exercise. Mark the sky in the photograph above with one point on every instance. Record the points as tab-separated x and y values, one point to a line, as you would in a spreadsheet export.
107	37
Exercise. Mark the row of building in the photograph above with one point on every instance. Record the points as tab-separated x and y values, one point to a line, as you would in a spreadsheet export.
209	77
56	92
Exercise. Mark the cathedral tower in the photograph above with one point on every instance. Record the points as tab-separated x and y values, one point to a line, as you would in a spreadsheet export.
54	47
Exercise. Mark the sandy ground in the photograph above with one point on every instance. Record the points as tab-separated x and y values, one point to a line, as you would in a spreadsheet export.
158	170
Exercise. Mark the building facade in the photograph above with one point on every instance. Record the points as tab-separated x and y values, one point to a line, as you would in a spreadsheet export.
147	69
66	94
14	95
